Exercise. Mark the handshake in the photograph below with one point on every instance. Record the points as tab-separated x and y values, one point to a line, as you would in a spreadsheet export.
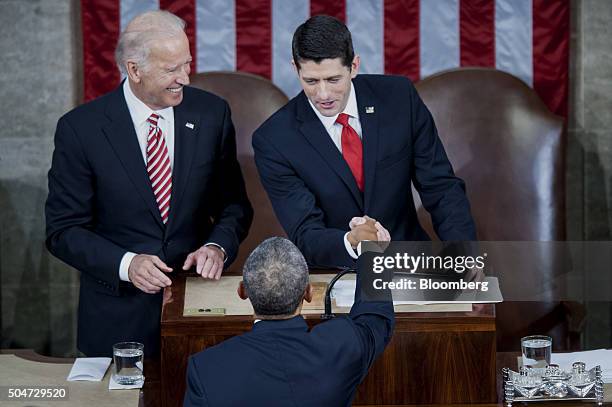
366	228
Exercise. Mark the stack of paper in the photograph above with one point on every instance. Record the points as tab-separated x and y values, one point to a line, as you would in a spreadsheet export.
591	358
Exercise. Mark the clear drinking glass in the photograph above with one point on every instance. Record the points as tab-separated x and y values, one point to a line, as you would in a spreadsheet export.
536	350
128	367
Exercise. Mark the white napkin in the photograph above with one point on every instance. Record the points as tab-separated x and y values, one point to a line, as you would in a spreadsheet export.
89	369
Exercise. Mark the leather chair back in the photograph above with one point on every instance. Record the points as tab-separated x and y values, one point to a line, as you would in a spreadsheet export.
509	149
252	99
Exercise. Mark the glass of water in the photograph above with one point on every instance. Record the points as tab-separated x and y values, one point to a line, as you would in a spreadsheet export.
127	358
536	350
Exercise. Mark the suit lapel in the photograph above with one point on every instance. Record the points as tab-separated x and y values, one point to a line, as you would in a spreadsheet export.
314	131
121	135
186	127
368	117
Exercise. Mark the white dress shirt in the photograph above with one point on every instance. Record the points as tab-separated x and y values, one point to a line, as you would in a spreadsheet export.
335	132
140	112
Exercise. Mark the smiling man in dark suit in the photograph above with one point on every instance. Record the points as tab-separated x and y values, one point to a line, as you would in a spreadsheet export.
348	147
143	180
280	362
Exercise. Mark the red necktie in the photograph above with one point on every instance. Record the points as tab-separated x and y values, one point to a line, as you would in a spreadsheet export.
352	150
158	167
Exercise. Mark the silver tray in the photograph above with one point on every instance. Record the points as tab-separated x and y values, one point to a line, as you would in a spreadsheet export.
552	384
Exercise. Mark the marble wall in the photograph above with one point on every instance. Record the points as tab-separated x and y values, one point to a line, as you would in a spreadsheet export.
41	80
38	293
589	177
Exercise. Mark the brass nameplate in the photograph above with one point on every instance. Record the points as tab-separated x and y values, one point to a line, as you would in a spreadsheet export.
198	312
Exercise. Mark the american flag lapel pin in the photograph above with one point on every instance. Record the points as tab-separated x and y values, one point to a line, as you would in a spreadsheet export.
369	109
189	125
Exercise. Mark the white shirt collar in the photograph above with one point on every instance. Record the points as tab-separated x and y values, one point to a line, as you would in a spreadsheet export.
139	111
350	109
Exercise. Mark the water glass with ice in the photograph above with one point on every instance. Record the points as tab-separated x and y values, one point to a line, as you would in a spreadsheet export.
536	350
127	358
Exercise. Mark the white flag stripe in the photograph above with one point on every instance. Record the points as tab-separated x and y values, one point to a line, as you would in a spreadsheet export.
286	17
216	35
513	38
439	36
365	20
128	9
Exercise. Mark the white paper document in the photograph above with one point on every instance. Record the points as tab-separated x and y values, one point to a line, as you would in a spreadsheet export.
592	358
89	369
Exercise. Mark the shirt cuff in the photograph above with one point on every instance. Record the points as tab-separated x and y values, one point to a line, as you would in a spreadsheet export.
124	266
220	248
349	248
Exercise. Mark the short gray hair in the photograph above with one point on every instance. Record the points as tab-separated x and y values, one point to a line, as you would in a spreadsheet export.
275	276
136	40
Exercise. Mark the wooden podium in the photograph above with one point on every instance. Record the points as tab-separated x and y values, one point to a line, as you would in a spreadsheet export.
433	358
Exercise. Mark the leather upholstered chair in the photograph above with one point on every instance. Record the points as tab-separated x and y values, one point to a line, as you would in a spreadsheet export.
510	151
252	99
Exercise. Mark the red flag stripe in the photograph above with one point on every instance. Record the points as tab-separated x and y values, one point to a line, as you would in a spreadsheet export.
331	8
100	26
477	32
401	36
254	37
551	53
185	9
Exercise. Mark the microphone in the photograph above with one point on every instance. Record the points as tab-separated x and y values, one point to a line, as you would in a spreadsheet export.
328	307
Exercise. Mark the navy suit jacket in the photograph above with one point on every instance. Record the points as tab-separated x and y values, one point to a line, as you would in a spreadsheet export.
280	363
101	205
314	193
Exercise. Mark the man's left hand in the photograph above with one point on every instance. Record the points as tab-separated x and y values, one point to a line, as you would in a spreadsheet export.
208	261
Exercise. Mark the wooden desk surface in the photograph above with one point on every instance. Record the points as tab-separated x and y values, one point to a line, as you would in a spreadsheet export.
148	396
174	303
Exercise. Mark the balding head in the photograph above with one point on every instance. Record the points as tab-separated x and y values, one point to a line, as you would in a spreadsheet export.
136	41
275	278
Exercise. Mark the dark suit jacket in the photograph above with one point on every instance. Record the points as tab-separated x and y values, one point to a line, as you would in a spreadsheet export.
313	191
280	363
101	205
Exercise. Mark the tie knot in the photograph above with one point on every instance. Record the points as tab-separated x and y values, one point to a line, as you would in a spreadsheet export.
153	119
343	119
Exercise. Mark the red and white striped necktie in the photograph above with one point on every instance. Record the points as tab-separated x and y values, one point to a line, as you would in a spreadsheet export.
158	167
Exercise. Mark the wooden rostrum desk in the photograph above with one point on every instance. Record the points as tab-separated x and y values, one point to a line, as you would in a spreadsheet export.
433	357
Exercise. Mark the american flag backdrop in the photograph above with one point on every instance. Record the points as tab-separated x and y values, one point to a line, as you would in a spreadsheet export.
415	38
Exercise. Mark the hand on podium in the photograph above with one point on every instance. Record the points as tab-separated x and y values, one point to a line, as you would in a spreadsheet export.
208	261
